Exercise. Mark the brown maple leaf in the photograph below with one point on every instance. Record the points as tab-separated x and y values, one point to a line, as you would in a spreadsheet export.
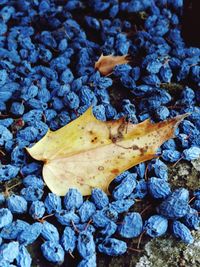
106	64
89	153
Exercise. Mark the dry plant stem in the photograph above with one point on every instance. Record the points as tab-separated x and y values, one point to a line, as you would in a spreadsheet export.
146	171
191	199
6	193
177	162
42	220
90	221
2	153
70	253
140	239
136	250
145	209
74	226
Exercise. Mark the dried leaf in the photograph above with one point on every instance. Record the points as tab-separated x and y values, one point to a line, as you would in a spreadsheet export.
106	64
89	153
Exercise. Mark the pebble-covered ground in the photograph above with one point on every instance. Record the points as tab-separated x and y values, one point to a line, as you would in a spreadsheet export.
48	51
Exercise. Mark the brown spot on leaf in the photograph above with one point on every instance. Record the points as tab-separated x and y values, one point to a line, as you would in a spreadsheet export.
115	171
100	168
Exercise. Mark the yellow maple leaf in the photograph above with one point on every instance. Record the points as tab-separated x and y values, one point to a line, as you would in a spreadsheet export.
106	64
89	153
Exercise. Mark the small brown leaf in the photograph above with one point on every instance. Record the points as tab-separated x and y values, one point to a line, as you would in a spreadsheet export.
106	64
89	153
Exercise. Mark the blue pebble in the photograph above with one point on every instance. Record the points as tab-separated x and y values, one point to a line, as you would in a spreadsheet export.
17	109
174	206
99	198
66	217
12	230
92	22
8	172
191	219
119	178
158	188
29	133
30	234
109	229
5	135
37	209
102	217
112	247
86	244
6	217
99	112
191	153
2	199
85	227
122	69
52	203
34	181
49	232
181	193
86	210
53	252
17	204
131	225
68	239
91	261
67	76
125	188
166	73
156	225
110	111
162	113
3	75
140	170
71	100
31	168
196	193
196	205
171	155
140	190
170	144
99	219
24	258
180	231
31	193
9	251
6	122
154	66
122	205
73	199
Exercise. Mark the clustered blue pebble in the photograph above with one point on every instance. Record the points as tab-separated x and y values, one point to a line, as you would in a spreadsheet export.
48	78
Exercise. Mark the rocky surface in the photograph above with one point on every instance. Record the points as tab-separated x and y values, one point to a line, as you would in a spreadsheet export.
165	251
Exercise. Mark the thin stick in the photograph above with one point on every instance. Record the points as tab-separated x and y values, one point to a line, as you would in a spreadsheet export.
90	221
177	162
2	153
191	199
145	209
47	216
135	249
140	239
42	220
145	175
137	200
9	188
70	253
3	116
74	226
